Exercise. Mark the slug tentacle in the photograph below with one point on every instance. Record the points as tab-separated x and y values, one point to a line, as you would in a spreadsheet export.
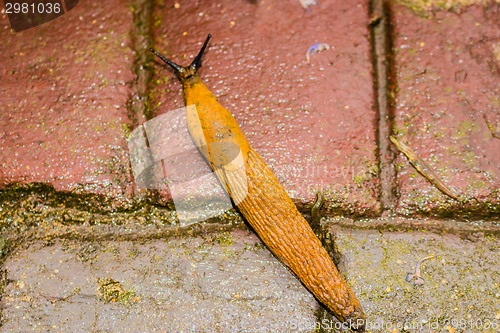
260	197
185	73
172	64
197	61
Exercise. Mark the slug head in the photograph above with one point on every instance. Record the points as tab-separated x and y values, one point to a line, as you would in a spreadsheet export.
186	73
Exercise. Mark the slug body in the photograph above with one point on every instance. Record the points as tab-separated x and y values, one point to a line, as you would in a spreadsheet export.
261	198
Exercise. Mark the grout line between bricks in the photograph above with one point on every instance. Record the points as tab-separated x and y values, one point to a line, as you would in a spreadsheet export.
382	63
142	39
469	229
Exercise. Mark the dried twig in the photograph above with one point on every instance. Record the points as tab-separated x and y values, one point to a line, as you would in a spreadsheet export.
417	276
423	168
491	127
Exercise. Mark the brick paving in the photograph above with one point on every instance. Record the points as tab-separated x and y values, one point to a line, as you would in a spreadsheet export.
63	109
73	89
313	123
447	107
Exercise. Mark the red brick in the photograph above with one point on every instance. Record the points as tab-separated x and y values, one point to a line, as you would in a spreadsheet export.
313	123
63	94
447	71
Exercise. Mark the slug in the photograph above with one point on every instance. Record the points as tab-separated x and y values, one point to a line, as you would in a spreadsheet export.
260	197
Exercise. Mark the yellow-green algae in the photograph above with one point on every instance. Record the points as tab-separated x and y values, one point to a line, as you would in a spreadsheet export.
420	7
461	281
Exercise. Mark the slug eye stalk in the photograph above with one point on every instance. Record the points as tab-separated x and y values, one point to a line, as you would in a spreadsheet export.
172	64
185	72
196	64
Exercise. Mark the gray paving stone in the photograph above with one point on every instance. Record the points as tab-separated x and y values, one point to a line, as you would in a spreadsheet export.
461	292
229	282
223	283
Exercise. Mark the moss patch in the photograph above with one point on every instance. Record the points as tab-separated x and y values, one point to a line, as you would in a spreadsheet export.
421	7
109	290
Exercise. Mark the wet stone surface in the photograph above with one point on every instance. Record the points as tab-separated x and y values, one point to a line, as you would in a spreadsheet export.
226	282
461	292
63	94
447	108
71	263
313	123
229	282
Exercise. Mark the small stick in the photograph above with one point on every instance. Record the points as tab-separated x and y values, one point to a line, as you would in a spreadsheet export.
491	127
423	168
419	280
64	298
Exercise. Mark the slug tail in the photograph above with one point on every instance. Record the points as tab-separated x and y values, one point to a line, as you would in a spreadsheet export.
273	215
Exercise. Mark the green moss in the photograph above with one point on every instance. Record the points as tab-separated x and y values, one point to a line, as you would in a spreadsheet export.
469	159
223	239
422	7
495	99
109	290
157	18
359	179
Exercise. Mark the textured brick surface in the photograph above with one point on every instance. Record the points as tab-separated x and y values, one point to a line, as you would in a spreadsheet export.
63	93
313	123
448	107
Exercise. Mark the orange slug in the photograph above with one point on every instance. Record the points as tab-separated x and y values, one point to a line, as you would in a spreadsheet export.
260	197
